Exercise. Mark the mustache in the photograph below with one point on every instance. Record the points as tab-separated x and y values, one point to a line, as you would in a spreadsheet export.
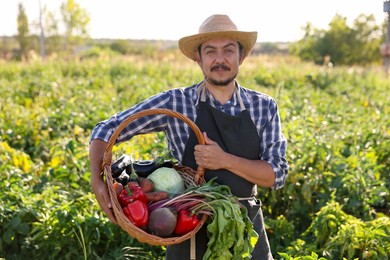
220	66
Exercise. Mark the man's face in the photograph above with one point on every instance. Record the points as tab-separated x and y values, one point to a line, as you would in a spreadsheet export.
219	60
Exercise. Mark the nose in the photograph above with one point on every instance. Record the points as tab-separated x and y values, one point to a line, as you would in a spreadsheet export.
220	57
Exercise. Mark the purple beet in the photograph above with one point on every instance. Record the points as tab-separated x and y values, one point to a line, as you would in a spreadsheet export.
162	222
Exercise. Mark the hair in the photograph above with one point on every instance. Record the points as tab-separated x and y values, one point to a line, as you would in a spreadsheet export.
240	47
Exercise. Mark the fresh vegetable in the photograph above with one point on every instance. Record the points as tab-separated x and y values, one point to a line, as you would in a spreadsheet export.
134	202
186	222
122	170
230	218
118	187
167	179
156	195
133	191
162	222
133	177
120	165
130	193
226	214
146	184
123	178
137	212
146	167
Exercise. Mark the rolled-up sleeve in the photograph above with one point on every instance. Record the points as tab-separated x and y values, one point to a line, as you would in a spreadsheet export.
104	129
274	146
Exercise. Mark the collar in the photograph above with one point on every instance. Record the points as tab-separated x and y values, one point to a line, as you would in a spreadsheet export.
211	100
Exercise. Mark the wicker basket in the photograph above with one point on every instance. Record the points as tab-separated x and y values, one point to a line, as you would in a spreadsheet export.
189	175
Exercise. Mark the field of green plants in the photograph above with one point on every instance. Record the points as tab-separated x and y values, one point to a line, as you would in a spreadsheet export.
335	203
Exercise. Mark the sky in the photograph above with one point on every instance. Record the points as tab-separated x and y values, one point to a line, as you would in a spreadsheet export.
275	21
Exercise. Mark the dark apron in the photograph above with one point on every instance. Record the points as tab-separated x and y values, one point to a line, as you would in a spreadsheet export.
236	135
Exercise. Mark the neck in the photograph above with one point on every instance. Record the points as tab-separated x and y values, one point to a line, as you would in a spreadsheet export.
221	93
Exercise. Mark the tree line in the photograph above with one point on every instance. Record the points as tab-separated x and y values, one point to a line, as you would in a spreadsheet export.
48	34
339	44
342	44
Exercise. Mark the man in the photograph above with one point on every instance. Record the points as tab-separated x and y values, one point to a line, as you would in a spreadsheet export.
244	148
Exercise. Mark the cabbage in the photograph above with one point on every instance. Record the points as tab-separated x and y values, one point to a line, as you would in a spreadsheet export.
167	179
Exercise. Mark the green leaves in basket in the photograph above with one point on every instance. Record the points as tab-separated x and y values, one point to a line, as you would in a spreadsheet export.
164	158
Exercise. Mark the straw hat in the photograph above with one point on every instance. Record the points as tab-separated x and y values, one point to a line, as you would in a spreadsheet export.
217	26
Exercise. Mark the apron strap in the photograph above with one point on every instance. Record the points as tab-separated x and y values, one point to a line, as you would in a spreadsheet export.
192	248
202	94
246	198
240	99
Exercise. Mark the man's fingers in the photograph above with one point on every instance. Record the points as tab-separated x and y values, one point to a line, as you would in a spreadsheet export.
207	139
106	205
110	213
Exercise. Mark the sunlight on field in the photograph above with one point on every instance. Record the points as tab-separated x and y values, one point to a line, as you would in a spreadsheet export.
335	202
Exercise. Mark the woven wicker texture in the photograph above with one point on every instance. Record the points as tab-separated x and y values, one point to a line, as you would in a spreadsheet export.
190	177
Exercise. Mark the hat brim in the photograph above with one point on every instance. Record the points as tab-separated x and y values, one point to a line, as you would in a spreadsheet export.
189	44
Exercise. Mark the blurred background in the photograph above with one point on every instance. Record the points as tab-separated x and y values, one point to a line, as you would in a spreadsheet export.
333	32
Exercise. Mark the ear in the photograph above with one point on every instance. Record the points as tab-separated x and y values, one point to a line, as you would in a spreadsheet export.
241	59
198	58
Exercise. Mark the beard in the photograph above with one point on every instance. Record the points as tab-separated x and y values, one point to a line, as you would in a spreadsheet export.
221	82
216	82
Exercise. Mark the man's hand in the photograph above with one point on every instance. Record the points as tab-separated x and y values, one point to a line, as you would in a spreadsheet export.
99	188
209	156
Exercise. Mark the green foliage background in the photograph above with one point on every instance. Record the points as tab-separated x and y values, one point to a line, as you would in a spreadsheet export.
335	203
342	44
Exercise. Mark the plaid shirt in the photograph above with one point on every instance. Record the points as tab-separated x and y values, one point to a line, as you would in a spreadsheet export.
262	109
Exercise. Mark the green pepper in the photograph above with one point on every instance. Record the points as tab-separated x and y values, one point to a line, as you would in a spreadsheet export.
186	221
137	212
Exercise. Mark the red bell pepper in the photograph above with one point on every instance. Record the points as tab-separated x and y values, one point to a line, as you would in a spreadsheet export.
186	221
130	193
137	213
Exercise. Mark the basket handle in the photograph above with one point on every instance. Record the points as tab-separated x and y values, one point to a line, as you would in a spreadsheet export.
155	111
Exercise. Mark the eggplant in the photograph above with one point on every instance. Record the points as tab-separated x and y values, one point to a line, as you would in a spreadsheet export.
123	178
121	168
120	165
146	167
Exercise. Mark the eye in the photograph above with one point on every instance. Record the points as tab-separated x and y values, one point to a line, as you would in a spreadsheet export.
229	50
210	51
